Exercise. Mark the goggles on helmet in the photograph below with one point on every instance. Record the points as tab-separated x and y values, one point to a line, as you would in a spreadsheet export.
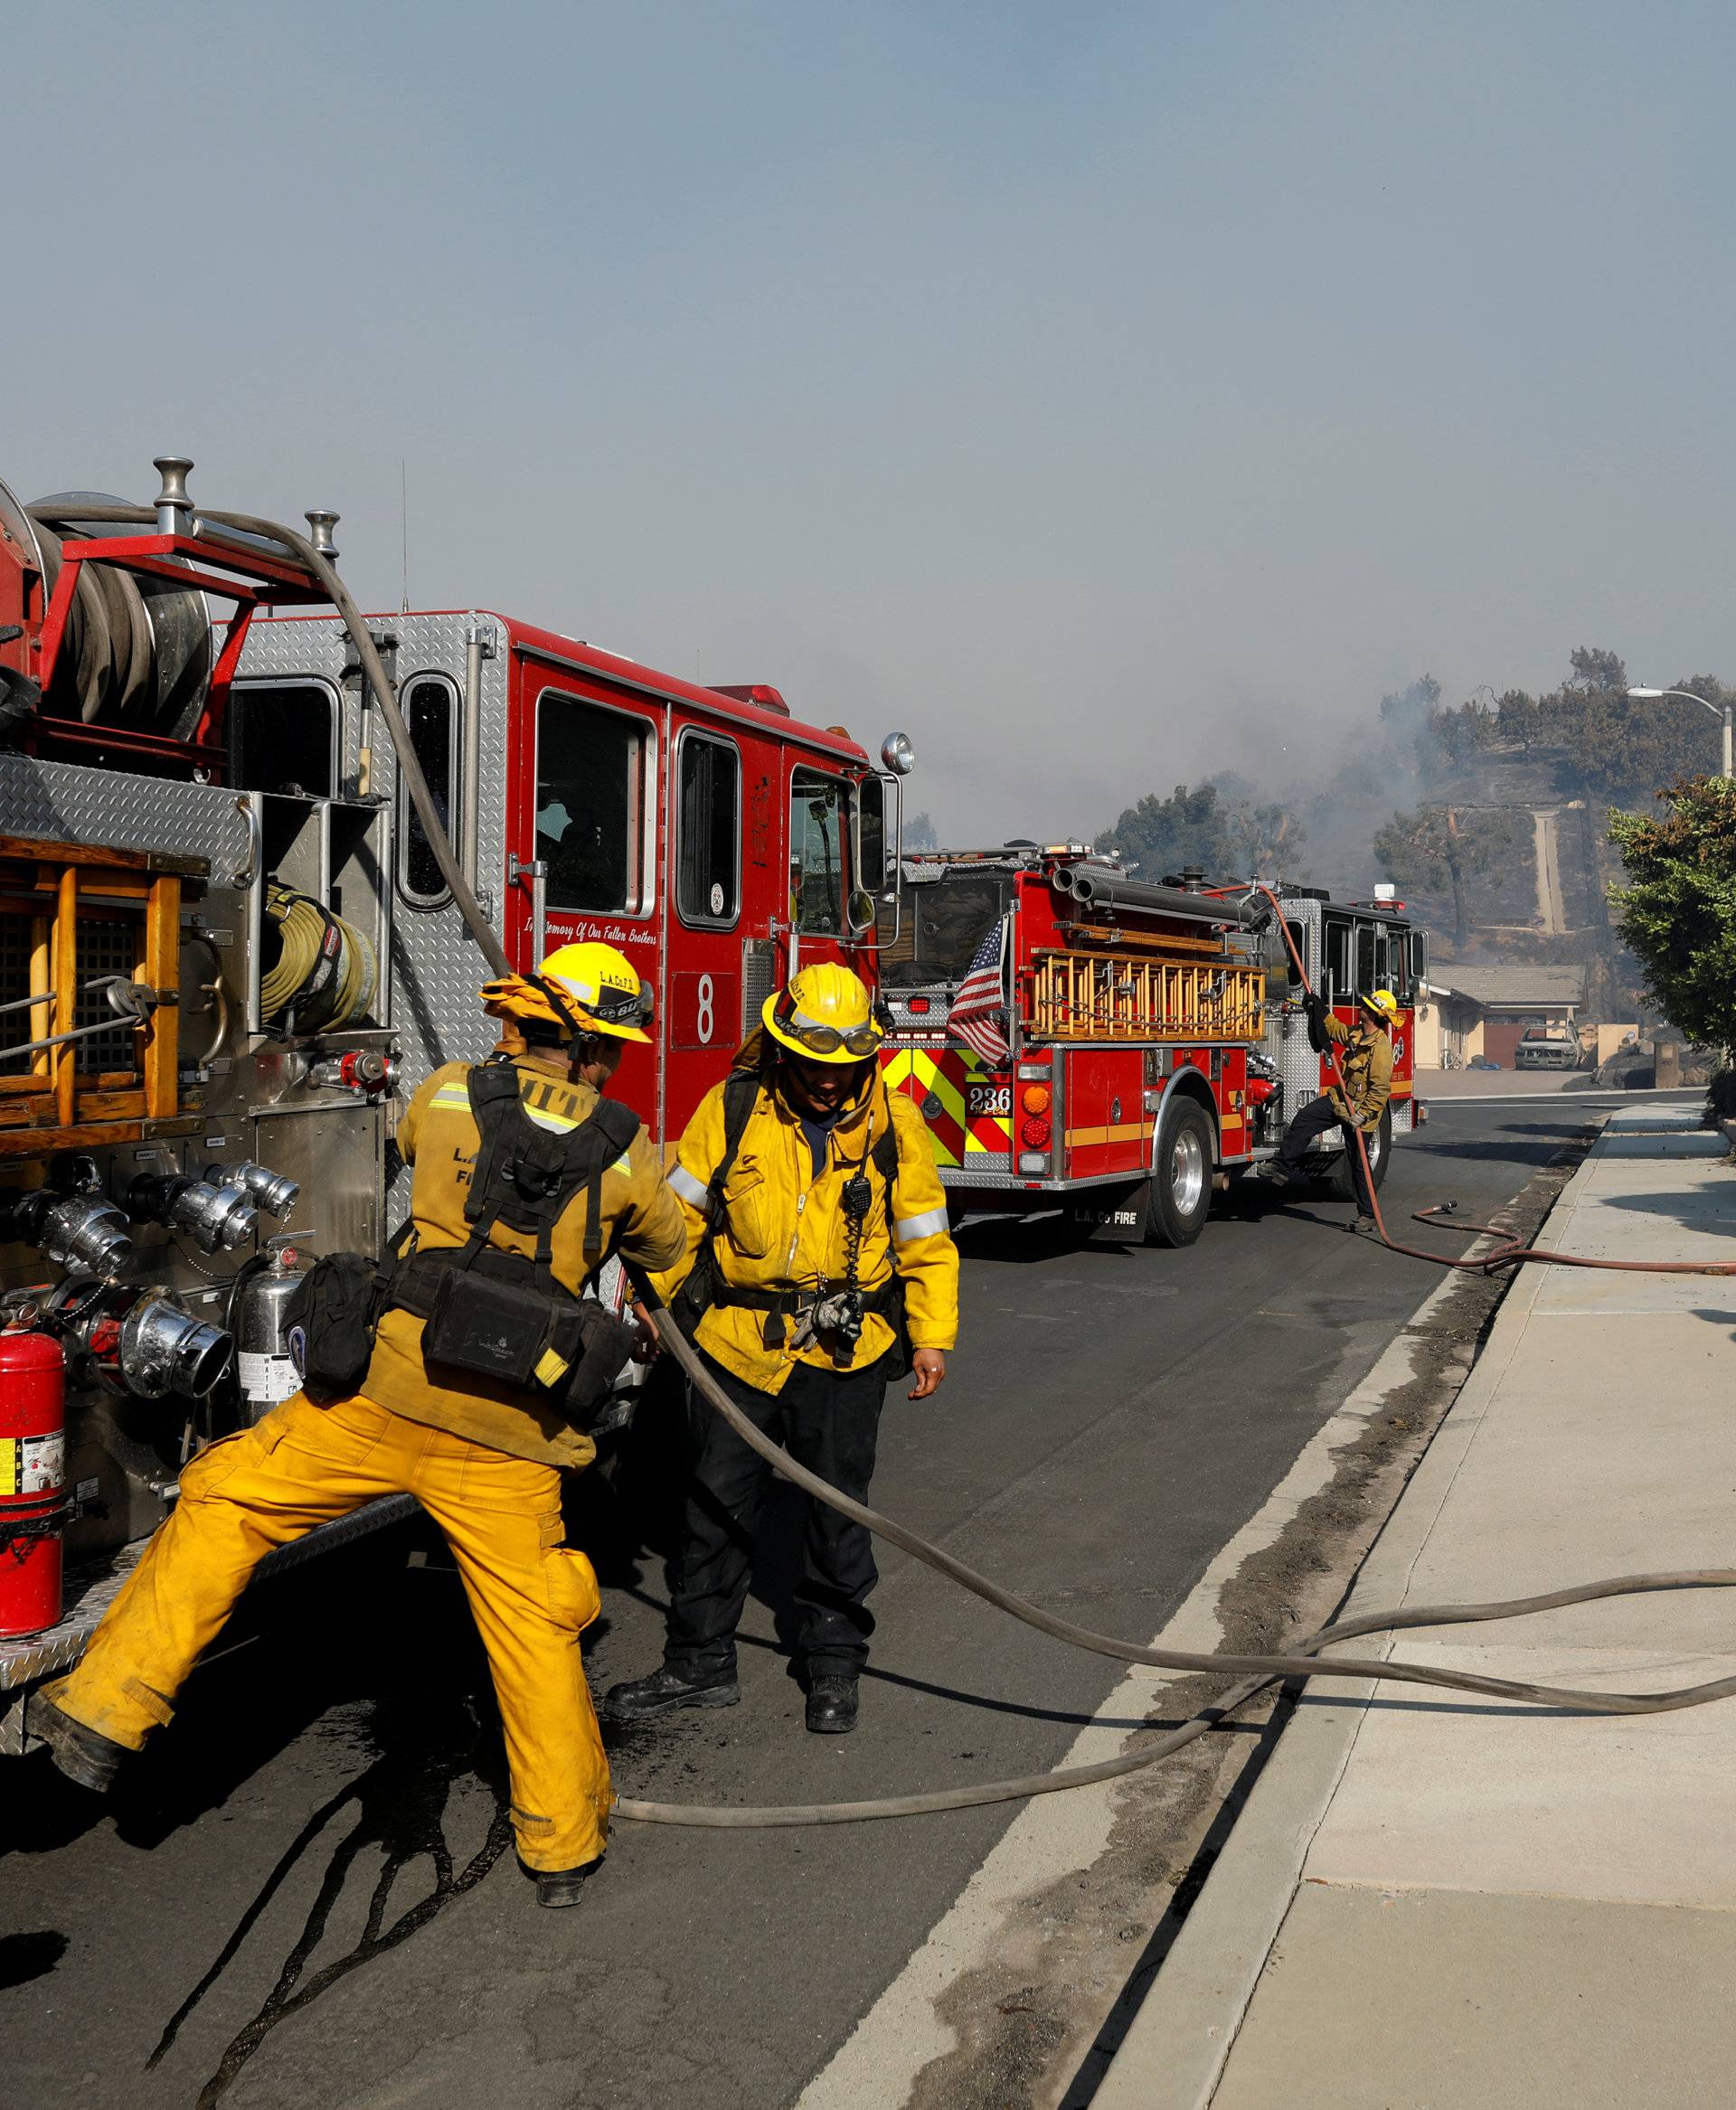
822	1040
619	1007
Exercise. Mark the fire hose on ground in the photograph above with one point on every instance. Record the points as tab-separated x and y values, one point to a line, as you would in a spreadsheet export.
1253	1671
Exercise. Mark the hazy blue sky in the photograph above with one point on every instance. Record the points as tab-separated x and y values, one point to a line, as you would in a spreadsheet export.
1100	392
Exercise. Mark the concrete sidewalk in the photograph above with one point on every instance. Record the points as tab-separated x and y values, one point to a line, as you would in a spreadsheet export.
1431	1901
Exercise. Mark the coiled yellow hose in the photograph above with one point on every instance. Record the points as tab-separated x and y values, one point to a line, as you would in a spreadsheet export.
326	972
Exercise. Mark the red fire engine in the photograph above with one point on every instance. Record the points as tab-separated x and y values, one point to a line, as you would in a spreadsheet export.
226	949
1155	1042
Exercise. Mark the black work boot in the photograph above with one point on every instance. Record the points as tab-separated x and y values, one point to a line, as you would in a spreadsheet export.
832	1706
81	1754
665	1691
556	1888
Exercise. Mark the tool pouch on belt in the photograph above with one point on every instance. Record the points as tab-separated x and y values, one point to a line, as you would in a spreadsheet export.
500	1315
331	1318
510	1334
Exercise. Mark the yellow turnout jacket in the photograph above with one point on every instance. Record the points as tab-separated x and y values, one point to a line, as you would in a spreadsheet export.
1367	1067
438	1137
783	1226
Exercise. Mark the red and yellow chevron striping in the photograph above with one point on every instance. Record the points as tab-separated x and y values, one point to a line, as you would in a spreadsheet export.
939	1081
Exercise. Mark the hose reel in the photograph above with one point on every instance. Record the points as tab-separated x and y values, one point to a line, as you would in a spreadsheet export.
326	972
138	650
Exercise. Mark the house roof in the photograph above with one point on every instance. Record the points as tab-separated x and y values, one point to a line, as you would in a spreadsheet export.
1496	988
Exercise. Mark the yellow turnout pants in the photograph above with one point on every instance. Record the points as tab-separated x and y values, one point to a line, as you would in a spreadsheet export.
303	1464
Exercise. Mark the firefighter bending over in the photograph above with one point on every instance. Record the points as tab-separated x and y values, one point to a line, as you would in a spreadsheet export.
1366	1067
468	1390
818	1247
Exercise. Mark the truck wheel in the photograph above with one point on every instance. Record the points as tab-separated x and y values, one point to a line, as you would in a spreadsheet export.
1179	1198
1380	1153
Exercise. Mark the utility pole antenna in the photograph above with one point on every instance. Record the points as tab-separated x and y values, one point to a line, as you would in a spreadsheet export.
404	522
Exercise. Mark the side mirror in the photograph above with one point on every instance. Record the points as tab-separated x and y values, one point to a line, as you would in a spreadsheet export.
859	910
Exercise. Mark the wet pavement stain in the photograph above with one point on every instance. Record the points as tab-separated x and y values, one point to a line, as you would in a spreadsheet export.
399	1804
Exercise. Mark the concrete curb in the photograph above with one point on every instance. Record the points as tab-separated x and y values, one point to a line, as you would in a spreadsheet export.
1174	2052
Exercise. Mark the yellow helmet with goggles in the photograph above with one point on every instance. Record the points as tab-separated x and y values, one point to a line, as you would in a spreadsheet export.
589	988
1381	1006
825	1014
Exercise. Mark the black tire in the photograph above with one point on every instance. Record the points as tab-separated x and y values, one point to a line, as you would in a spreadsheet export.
1380	1156
1178	1199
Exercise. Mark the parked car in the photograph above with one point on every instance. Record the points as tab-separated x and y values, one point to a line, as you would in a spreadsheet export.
1548	1047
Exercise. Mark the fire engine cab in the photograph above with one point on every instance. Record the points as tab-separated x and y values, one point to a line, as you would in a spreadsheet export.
1120	1044
226	951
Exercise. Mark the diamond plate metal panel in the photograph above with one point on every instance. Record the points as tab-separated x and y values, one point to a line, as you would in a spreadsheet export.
435	967
66	802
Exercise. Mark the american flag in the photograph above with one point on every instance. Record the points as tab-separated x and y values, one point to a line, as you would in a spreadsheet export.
979	1010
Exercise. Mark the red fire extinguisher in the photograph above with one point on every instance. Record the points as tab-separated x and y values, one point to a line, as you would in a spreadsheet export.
34	1506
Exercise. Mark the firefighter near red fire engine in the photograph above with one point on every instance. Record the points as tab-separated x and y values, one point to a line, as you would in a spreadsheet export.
1354	1101
200	832
818	1267
467	1380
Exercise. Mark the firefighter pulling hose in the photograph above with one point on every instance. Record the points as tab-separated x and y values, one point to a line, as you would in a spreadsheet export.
463	1369
148	1705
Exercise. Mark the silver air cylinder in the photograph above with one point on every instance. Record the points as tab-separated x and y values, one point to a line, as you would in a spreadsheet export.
263	1365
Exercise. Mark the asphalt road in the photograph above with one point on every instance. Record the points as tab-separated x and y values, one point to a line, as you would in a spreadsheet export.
303	1897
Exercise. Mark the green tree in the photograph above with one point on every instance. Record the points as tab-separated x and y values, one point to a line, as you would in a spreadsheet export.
1617	746
1677	913
1264	839
1461	733
1440	847
1520	719
919	833
1411	706
1160	835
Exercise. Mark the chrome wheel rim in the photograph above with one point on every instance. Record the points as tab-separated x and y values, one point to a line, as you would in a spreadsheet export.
1187	1171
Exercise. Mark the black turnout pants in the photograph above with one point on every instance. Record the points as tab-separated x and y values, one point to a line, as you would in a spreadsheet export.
1313	1120
829	1421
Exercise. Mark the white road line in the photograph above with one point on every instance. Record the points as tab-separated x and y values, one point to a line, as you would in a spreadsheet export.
1454	1100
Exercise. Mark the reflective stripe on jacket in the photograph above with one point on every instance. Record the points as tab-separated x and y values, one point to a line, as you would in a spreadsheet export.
437	1136
783	1226
1367	1067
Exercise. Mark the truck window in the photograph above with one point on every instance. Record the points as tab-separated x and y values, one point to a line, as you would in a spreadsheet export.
591	766
946	920
708	842
283	737
1419	958
872	846
816	882
430	712
1339	982
1366	978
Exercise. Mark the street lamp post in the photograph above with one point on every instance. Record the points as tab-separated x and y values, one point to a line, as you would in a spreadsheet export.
1718	710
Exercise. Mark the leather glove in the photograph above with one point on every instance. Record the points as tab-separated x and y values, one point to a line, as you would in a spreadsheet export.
1316	1007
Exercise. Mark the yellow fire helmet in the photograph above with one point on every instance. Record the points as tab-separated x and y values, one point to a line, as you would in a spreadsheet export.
588	988
606	985
1383	1007
825	1014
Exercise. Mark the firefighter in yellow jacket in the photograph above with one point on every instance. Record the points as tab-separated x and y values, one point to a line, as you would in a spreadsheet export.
817	1246
482	1455
1365	1065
